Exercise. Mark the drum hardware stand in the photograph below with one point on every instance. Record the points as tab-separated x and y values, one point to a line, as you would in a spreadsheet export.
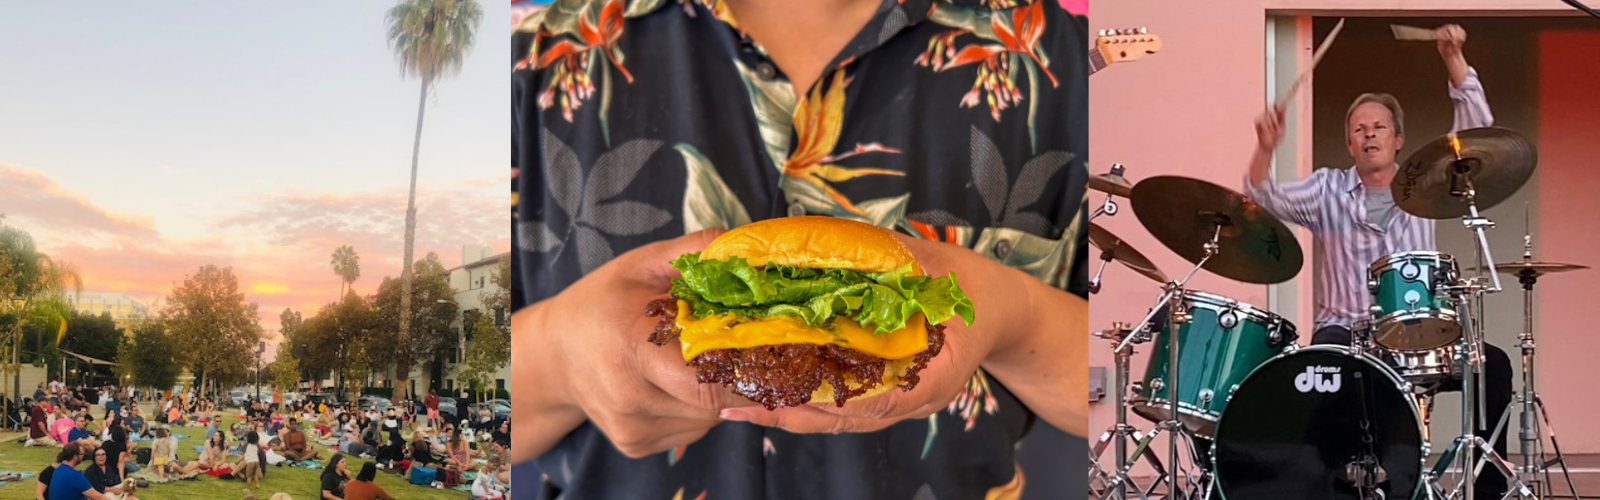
1116	485
1469	293
1178	314
1533	461
1109	207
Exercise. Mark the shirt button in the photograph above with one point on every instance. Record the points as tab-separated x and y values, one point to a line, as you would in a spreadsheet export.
795	210
1002	249
767	71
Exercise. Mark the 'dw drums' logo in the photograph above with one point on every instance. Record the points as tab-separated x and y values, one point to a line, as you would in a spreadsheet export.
1318	378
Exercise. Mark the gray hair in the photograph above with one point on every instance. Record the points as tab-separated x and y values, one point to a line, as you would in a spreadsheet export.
1388	101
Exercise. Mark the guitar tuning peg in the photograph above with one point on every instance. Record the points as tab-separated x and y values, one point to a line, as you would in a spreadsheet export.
1144	30
1100	33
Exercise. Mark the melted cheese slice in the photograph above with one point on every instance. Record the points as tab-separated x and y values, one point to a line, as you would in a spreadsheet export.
714	332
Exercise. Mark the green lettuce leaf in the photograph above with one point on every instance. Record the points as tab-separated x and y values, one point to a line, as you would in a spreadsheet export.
883	301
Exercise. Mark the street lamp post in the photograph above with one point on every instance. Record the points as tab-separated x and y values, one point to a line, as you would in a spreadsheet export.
260	350
16	358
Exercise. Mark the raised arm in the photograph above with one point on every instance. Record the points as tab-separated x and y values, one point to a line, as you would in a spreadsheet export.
1466	92
1295	202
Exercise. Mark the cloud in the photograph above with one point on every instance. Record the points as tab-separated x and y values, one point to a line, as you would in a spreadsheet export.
278	245
28	195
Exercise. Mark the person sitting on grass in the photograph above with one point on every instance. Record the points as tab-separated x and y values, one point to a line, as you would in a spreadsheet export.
363	488
163	452
334	477
488	486
41	491
66	483
421	454
295	446
459	454
394	450
79	432
39	426
175	416
135	422
103	474
215	452
325	423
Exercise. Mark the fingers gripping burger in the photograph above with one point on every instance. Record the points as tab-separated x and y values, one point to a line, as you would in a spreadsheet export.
807	309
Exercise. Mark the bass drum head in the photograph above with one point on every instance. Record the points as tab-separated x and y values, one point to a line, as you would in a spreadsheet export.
1295	424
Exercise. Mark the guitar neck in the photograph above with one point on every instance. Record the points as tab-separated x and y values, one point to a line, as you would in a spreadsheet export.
1097	61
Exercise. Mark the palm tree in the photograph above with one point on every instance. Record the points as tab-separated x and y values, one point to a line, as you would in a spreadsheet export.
347	265
37	287
430	39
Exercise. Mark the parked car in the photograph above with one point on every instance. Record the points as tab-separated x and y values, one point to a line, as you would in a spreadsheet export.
318	399
501	412
447	409
237	399
365	402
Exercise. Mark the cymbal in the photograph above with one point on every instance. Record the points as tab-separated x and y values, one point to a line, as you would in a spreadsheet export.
1499	162
1516	268
1121	252
1183	214
1112	184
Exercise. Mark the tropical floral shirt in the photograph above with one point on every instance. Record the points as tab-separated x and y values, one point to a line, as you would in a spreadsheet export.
962	121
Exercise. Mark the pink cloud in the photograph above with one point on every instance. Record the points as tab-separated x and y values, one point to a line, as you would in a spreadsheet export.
30	196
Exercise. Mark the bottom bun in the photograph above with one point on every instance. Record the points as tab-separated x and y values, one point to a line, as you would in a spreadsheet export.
892	369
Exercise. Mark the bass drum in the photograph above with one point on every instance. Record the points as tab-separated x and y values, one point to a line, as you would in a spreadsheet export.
1300	425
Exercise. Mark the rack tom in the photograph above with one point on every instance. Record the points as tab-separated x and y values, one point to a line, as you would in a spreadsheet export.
1410	310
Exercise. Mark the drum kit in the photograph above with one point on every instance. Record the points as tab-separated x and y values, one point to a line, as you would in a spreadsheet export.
1258	417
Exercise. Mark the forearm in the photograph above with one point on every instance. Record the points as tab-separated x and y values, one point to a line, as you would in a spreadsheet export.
551	413
1260	166
1456	65
1044	362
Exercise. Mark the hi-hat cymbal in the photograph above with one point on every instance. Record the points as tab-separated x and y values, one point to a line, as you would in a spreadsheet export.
1121	252
1497	161
1517	268
1112	184
1184	213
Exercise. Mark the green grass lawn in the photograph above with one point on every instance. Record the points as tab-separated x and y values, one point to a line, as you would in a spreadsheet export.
299	483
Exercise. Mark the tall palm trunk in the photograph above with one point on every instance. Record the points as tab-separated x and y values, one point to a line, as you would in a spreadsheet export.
411	234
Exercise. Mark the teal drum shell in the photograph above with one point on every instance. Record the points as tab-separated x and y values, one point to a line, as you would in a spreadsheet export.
1223	341
1410	312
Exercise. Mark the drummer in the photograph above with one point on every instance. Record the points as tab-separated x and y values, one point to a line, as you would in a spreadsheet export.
1352	215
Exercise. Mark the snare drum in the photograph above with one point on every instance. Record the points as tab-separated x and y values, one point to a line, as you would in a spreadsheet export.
1421	368
1223	341
1410	311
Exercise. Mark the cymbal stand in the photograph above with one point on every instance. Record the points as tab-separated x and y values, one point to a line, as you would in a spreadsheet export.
1109	206
1534	463
1172	296
1469	294
1116	485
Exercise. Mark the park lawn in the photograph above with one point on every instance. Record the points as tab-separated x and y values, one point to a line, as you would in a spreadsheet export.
299	483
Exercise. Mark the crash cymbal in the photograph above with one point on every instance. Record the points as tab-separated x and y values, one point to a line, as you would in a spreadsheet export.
1498	163
1183	214
1112	184
1121	252
1516	268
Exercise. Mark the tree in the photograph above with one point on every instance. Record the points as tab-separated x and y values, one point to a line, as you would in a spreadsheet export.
151	356
430	39
215	330
499	300
431	333
35	289
486	353
347	265
285	370
340	339
93	336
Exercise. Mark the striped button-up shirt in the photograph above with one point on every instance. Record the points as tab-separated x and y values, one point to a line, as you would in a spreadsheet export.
1332	204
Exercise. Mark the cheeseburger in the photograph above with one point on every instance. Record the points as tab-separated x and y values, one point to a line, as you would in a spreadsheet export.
807	309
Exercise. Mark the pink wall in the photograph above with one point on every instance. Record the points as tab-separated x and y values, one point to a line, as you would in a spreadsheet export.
1568	231
1187	110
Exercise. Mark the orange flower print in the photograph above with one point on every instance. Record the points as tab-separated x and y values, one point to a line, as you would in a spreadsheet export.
994	84
975	398
679	496
817	121
571	59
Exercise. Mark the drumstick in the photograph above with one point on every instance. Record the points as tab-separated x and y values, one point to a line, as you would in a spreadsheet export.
1315	58
1412	33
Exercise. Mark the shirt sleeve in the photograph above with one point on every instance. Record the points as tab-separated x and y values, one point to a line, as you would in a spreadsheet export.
1298	202
1471	105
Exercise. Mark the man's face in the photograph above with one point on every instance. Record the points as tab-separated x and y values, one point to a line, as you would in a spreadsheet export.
1371	137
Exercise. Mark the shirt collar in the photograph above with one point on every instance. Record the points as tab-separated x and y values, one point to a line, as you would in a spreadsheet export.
1353	179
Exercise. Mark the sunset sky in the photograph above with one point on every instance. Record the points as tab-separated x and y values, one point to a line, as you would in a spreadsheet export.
151	139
